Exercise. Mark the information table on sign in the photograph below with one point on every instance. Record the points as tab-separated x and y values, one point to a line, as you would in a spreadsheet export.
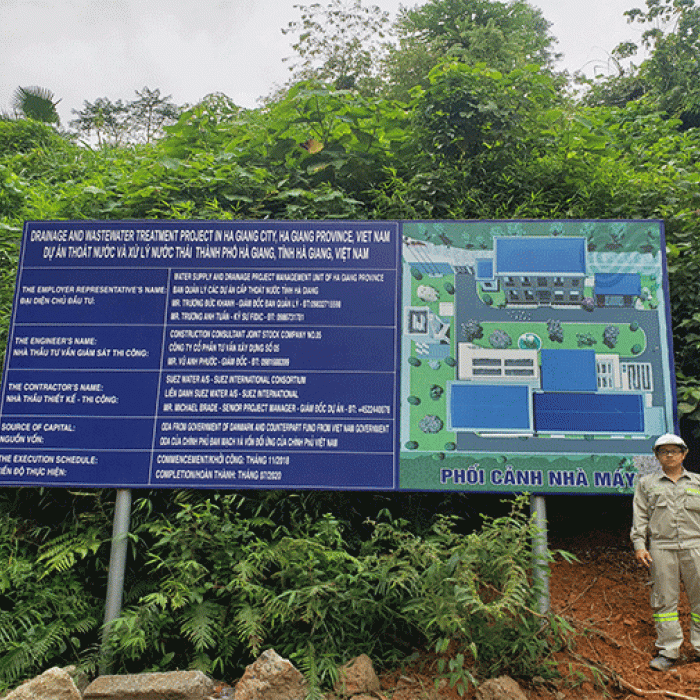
204	354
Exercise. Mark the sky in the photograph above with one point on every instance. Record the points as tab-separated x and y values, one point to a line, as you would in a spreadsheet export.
85	49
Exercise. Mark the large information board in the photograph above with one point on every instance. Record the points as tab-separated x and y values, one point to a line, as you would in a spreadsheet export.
378	355
204	354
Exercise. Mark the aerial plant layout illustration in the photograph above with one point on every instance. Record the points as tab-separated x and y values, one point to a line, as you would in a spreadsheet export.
535	354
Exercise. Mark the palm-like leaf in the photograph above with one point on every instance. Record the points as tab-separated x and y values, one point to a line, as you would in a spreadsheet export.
36	103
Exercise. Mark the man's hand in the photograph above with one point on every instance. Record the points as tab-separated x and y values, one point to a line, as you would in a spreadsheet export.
643	557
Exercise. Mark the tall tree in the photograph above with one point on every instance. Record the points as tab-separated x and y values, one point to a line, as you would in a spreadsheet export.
340	43
668	78
36	103
107	120
151	112
502	35
672	71
114	123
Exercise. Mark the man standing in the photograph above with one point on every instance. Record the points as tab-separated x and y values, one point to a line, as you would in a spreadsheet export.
666	538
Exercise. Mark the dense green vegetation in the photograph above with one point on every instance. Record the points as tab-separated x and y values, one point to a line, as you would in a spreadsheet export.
214	579
462	117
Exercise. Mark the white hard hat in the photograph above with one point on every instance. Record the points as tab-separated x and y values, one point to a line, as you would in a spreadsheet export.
669	439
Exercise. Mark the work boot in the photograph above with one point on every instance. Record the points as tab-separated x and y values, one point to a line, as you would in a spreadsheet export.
661	663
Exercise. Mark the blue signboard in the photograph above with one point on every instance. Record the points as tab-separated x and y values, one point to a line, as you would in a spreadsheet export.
376	355
204	354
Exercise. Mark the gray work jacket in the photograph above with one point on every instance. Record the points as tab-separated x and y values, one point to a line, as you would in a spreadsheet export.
665	513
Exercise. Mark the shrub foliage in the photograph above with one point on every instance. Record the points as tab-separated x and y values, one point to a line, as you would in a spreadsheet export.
215	579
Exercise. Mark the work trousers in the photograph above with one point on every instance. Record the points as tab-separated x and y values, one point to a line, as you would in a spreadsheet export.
669	567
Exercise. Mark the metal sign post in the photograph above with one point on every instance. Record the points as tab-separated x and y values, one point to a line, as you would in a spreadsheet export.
540	565
117	567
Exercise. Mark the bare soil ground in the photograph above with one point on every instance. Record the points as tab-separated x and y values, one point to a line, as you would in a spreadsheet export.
605	596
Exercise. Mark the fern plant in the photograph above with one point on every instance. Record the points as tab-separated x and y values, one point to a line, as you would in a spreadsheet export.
48	614
480	598
216	578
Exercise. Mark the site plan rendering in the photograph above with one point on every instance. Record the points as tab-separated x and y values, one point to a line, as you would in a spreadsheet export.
535	354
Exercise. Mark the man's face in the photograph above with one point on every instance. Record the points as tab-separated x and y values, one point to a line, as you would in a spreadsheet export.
671	456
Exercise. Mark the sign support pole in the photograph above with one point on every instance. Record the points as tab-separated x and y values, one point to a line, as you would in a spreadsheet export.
117	567
540	566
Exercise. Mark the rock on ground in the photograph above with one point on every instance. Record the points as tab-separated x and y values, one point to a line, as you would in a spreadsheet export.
54	684
357	676
501	688
177	685
271	677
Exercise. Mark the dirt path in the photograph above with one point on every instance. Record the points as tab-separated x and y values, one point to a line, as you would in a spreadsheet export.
606	596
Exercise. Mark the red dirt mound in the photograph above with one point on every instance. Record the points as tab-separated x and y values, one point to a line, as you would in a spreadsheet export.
605	597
